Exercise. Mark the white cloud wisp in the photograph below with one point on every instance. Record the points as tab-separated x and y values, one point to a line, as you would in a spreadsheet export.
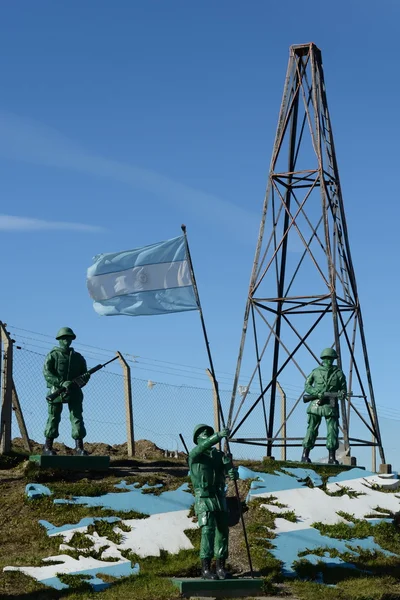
13	223
25	140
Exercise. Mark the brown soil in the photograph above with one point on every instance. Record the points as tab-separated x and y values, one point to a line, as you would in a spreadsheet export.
144	449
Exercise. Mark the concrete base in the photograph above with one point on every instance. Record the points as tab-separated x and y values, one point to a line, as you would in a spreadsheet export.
350	460
224	588
71	463
385	468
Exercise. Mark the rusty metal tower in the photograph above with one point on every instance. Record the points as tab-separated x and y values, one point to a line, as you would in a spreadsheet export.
303	294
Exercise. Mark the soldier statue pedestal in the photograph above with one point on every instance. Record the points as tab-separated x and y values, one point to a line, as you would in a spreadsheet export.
65	462
241	587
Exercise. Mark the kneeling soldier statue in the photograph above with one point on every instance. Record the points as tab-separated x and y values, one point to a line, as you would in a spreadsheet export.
208	470
62	366
324	386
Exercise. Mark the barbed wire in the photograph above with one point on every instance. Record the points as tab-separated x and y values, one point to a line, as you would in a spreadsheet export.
161	411
133	358
383	410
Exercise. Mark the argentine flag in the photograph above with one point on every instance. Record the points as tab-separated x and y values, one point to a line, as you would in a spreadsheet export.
153	280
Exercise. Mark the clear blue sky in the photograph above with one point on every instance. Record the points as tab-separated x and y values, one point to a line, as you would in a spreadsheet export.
127	119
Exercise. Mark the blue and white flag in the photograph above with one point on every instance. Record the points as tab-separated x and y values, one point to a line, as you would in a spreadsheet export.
152	280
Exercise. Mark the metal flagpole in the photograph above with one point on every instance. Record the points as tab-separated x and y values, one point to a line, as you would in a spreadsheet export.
196	292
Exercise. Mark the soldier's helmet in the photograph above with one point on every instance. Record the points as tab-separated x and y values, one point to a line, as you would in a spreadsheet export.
329	353
199	428
65	332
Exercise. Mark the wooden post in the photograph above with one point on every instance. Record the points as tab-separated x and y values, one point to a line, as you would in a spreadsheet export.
283	419
1	381
6	393
20	419
130	436
217	416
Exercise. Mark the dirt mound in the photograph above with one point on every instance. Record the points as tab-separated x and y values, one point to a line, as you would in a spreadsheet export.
147	449
18	446
144	449
99	449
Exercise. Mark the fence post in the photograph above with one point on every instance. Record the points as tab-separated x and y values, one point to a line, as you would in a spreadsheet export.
1	386
6	392
217	416
283	419
1	378
20	419
128	405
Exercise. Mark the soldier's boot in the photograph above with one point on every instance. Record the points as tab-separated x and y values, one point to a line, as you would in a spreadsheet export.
48	448
206	572
332	458
79	449
220	570
306	456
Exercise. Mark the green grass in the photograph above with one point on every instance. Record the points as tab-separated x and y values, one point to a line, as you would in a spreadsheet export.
383	488
138	587
358	588
106	529
342	491
350	584
385	534
29	543
62	489
373	566
289	515
343	531
76	582
270	466
11	460
325	472
97	484
260	525
273	501
386	511
60	514
80	540
183	564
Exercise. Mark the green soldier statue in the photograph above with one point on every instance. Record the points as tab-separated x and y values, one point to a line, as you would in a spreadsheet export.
63	365
324	385
208	470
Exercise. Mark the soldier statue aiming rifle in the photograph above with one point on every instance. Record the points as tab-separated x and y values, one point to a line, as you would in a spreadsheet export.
66	372
208	470
324	386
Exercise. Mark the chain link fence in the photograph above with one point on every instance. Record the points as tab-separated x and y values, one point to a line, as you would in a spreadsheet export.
161	411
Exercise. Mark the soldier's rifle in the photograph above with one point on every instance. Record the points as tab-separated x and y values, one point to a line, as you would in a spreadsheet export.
329	398
62	391
184	444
